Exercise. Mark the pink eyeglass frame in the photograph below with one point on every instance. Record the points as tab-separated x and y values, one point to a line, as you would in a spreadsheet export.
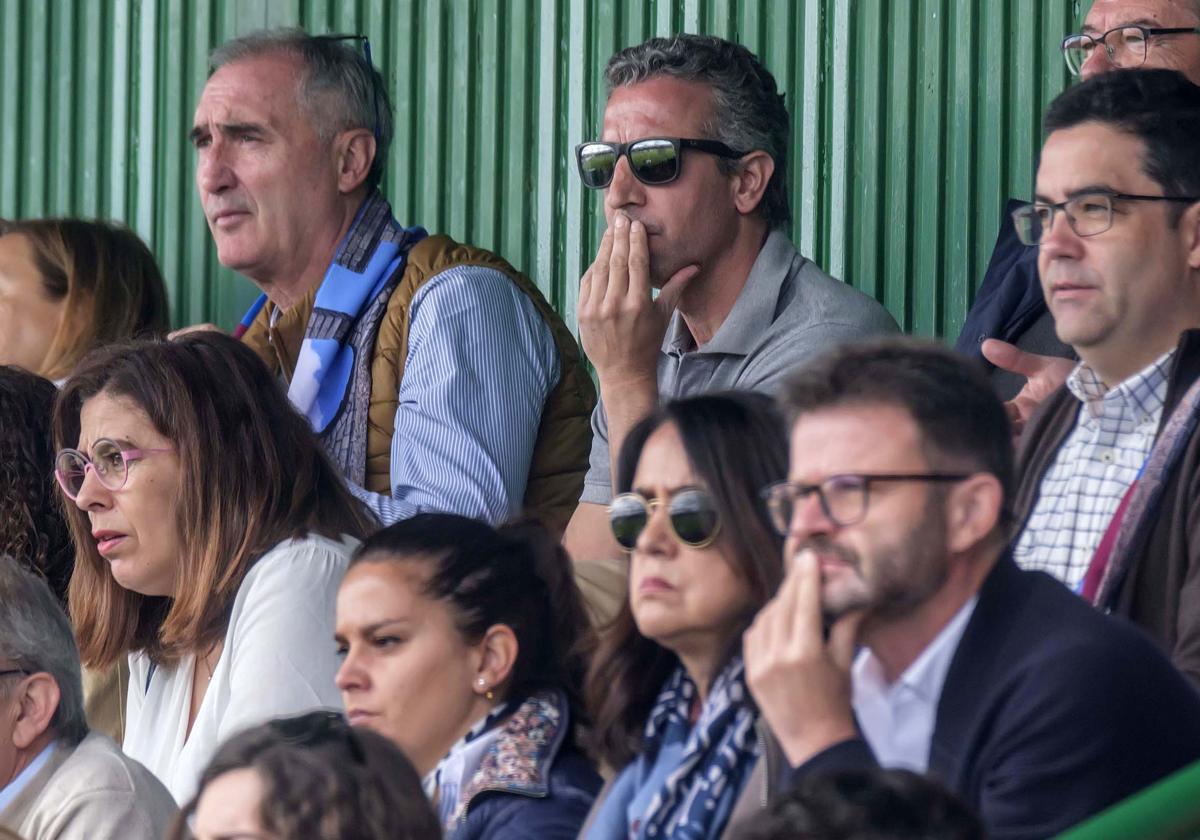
127	455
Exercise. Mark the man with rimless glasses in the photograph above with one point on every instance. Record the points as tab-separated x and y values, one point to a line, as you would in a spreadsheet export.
904	635
1108	498
692	159
1009	324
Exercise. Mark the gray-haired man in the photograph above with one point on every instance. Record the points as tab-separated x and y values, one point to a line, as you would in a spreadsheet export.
692	159
57	780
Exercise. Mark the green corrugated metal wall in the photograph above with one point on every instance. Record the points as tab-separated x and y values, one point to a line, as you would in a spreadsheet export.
912	122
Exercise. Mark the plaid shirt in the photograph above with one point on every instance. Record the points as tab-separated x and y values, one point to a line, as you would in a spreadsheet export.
1093	469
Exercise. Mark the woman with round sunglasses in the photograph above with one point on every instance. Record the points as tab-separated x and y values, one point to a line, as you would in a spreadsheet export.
666	689
465	644
308	778
211	532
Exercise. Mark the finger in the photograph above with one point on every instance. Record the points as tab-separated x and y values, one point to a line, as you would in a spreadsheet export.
807	621
585	290
669	297
843	639
599	269
639	261
1011	358
618	261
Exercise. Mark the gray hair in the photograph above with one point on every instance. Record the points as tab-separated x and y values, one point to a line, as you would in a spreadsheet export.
748	112
35	635
339	88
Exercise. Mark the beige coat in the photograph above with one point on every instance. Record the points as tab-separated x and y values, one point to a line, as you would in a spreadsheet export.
91	792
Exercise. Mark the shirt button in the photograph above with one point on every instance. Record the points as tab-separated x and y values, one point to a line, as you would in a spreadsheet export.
980	338
1106	457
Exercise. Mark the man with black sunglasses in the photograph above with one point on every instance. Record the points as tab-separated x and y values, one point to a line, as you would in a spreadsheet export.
692	161
437	375
1009	327
904	635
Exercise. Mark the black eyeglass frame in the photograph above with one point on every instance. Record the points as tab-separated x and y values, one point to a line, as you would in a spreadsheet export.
798	490
1029	211
10	671
648	507
712	147
366	51
1148	32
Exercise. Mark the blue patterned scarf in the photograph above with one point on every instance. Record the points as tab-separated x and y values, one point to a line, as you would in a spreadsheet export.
331	384
719	754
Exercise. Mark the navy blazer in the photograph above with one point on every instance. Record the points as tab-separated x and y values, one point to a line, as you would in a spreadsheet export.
1051	711
1010	297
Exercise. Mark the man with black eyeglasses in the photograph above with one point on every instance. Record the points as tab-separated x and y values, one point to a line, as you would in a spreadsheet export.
905	636
1009	327
436	375
691	158
1109	478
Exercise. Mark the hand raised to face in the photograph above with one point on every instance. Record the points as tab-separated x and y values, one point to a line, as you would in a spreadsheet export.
800	680
620	324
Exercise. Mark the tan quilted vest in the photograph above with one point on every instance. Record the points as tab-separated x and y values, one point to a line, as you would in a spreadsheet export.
560	454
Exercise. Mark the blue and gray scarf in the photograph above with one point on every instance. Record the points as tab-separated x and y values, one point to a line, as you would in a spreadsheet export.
331	385
719	754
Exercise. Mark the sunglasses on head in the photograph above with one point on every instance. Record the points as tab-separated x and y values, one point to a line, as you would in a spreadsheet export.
652	160
316	728
690	511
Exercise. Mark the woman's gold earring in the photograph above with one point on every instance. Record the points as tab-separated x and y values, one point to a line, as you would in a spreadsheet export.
488	694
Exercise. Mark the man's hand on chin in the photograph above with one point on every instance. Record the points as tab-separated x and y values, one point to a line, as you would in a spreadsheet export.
800	680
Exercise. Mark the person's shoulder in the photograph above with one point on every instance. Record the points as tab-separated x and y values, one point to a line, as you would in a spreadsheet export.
299	563
97	765
815	299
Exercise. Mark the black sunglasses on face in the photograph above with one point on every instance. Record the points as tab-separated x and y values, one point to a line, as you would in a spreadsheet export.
691	512
652	160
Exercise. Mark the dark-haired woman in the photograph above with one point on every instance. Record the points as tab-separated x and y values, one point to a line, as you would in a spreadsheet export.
667	691
308	778
212	531
463	644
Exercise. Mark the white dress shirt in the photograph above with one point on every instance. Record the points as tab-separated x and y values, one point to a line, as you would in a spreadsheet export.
279	659
1092	470
898	718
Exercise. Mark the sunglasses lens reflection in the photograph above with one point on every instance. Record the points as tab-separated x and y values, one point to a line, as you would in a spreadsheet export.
693	517
654	161
596	164
628	517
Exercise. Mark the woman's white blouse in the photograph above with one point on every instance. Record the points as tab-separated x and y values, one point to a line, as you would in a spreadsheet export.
279	659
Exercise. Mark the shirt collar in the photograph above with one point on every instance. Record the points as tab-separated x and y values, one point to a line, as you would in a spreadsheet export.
1141	395
754	309
13	789
927	674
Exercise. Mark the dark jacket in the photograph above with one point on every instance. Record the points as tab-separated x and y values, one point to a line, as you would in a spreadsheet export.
1162	590
533	784
1010	297
1051	711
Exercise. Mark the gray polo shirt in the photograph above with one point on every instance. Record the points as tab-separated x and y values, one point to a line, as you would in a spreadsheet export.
788	312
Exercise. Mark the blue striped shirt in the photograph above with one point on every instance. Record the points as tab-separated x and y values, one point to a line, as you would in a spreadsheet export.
481	364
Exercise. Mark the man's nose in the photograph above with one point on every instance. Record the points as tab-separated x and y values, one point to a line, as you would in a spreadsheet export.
624	189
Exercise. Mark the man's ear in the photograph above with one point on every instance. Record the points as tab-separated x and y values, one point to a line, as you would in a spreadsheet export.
37	701
973	511
750	181
354	152
1190	224
498	656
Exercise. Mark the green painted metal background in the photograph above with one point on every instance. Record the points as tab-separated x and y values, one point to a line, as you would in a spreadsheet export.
912	122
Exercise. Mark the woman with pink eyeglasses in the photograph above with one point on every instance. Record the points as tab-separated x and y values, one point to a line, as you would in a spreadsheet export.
211	533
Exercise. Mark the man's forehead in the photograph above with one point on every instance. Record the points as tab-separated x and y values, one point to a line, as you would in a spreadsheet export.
251	90
1088	156
1106	14
857	437
662	105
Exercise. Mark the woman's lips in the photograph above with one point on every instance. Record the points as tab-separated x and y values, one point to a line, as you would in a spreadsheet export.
653	585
